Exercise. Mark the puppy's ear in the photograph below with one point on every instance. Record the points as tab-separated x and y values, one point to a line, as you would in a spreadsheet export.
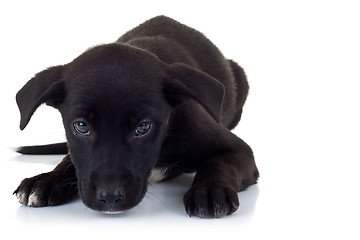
185	82
46	87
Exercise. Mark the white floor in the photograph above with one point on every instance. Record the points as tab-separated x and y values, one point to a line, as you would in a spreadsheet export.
302	118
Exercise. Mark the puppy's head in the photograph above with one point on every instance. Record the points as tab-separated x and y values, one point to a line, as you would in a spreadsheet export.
116	102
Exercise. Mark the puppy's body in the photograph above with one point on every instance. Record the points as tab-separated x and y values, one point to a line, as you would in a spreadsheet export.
161	97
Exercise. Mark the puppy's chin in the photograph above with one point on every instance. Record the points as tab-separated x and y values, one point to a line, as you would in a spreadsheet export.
112	212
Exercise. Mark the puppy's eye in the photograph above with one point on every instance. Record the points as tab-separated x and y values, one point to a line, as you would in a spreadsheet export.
143	128
81	128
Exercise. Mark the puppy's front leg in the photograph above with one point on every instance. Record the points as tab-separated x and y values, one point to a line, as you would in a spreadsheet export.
49	189
214	190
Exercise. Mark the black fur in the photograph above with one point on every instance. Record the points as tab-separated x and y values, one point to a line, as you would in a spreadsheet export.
56	148
162	96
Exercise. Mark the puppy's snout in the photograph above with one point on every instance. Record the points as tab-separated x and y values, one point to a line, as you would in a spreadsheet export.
110	197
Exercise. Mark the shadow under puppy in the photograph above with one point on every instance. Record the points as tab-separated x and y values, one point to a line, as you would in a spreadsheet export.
158	102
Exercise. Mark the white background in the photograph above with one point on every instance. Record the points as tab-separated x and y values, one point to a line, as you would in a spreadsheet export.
302	116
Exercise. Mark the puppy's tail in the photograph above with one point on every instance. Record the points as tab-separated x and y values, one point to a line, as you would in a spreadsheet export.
56	148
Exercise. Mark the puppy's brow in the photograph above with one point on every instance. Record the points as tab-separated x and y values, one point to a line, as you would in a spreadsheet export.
82	111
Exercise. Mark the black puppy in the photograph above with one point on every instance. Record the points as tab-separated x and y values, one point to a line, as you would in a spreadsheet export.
160	100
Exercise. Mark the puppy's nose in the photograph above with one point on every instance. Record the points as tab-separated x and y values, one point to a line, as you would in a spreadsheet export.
110	197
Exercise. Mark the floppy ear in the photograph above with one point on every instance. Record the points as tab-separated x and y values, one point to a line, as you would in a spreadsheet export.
185	82
46	87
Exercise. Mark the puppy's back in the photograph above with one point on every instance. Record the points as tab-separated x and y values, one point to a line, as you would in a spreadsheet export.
206	56
173	42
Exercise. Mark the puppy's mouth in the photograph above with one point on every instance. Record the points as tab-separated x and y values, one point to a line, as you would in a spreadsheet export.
132	198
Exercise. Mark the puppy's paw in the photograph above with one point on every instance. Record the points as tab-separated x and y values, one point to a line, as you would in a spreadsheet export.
210	202
46	190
